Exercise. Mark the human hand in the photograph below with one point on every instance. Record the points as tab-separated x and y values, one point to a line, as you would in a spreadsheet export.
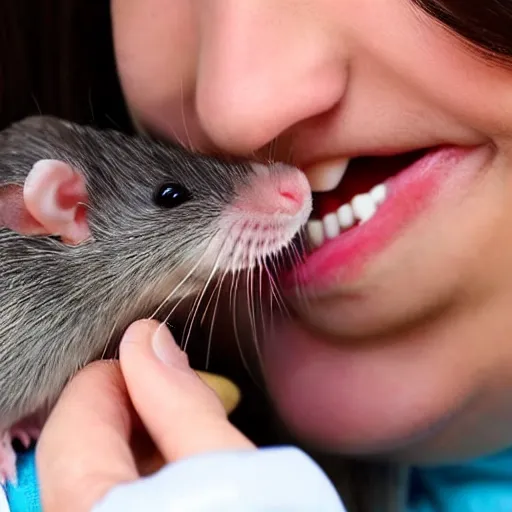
93	450
94	440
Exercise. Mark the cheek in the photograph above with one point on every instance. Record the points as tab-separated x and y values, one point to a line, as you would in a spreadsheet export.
354	399
155	46
436	65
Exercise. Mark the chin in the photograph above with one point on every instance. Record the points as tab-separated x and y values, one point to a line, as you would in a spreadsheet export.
391	399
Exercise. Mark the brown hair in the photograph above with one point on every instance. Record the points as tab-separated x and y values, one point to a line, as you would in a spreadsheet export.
57	58
485	24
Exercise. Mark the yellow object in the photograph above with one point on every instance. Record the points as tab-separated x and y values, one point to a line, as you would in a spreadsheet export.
226	390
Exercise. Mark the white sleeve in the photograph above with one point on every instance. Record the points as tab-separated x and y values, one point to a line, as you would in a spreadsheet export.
4	504
271	479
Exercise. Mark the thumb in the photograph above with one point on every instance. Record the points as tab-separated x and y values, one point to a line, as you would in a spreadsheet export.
183	415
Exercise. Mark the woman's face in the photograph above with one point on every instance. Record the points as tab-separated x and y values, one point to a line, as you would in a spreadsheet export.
405	345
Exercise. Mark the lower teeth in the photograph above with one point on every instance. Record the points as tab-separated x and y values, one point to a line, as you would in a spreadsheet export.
362	208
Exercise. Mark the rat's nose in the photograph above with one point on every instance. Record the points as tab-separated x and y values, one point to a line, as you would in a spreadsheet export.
292	190
278	190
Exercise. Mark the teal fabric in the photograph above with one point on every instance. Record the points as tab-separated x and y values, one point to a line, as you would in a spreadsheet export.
482	485
24	497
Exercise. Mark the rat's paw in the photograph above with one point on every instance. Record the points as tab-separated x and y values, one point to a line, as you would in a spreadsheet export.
25	432
7	460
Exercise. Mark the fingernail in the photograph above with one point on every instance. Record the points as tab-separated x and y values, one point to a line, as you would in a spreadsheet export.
166	349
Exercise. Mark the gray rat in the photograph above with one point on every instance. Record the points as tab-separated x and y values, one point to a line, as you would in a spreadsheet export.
98	229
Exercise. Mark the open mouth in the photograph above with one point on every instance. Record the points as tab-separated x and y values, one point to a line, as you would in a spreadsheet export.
357	193
360	205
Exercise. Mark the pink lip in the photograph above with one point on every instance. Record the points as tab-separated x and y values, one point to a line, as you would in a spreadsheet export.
408	194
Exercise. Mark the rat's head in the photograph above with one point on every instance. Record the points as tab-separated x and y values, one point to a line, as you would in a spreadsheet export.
135	199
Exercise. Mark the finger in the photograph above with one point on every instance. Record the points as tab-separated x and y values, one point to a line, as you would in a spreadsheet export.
183	415
84	447
149	459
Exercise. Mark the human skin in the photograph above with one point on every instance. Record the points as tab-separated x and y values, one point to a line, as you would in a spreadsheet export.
406	351
110	405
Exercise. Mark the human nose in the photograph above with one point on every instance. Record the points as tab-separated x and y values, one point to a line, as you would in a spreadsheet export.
265	66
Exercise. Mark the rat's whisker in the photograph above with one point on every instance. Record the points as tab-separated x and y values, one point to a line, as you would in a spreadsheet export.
258	305
295	258
214	316
234	303
250	297
260	296
215	294
184	117
275	287
178	286
271	295
197	302
272	150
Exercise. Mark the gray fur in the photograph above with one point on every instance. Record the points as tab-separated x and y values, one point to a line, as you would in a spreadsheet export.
62	306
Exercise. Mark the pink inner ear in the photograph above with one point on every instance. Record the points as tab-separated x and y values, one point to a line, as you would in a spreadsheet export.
14	214
55	195
72	192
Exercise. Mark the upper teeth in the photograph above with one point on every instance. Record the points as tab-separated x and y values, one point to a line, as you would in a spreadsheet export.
362	207
327	176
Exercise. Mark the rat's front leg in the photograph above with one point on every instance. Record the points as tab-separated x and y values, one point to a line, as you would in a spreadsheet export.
7	459
25	432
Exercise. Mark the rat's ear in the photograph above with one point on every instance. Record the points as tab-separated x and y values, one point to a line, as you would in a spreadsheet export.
14	214
52	202
55	196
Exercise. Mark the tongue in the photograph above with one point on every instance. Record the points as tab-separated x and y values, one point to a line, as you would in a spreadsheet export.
360	177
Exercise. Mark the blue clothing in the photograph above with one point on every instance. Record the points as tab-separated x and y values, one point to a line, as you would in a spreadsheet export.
24	497
481	485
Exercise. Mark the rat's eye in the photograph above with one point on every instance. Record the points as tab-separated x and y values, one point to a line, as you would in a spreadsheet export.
171	195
